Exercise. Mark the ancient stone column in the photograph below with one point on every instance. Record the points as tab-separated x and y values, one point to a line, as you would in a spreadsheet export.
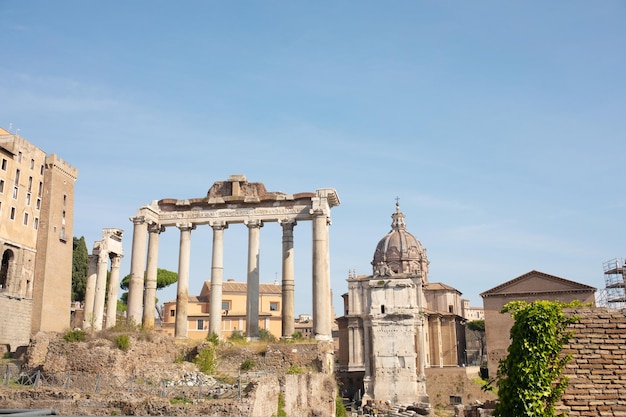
367	354
322	320
137	269
421	339
217	270
90	292
288	315
182	291
252	300
114	282
101	282
149	296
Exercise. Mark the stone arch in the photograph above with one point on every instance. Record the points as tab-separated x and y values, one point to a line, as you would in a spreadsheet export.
6	268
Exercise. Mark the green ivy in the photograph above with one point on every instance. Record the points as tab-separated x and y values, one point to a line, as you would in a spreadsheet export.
530	380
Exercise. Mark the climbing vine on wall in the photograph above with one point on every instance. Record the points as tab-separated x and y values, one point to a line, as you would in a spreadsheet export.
530	380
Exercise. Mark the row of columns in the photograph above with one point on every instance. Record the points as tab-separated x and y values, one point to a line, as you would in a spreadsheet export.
95	292
322	312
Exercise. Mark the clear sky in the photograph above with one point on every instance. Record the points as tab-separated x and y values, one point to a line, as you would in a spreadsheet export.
499	125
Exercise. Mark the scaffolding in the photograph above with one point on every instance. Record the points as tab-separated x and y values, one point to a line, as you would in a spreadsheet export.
613	295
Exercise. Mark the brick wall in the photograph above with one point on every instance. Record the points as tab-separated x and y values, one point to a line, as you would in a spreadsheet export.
597	371
15	321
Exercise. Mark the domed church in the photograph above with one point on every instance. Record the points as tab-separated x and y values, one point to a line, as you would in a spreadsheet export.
395	323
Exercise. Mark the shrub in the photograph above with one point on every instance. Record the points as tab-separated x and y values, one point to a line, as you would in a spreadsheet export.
122	341
213	338
340	409
266	336
206	360
237	336
297	335
295	370
281	406
75	336
247	365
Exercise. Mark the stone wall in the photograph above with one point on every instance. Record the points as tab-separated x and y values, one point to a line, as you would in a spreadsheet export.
15	322
597	371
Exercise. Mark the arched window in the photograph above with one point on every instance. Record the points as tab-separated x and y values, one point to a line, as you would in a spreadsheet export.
7	258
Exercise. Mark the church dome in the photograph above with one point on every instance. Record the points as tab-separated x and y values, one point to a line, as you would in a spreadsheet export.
399	252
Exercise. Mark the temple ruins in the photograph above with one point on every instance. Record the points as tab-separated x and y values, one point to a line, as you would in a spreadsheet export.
234	201
109	248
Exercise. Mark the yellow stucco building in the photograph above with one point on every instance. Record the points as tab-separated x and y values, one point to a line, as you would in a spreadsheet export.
233	310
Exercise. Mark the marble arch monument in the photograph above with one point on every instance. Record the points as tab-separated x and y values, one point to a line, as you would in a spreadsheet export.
234	201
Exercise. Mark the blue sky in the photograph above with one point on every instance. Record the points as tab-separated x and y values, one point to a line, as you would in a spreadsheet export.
499	125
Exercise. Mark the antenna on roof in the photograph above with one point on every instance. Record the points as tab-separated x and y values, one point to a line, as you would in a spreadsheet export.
275	278
10	127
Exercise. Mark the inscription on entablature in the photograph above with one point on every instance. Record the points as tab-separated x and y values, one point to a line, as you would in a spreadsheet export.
244	212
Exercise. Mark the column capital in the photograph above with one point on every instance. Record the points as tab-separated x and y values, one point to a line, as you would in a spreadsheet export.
186	227
321	213
288	223
218	225
155	228
103	256
253	223
138	219
115	260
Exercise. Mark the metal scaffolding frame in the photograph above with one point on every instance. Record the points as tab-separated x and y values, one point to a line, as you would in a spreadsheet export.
614	293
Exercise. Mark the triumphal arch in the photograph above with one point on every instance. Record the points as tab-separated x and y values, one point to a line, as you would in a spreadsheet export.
234	201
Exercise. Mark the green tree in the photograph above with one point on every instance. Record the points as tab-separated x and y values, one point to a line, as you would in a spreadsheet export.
530	380
80	268
478	328
164	278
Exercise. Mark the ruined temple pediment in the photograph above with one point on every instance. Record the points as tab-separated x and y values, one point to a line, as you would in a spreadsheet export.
535	282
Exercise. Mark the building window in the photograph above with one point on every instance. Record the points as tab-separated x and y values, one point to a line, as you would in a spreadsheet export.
36	223
450	309
1	186
32	164
19	157
41	170
25	219
4	164
226	305
40	190
15	192
17	177
62	237
30	184
28	199
199	324
38	204
12	213
274	306
172	313
64	202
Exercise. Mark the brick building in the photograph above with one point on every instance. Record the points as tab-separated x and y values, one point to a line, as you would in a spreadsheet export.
529	287
36	219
